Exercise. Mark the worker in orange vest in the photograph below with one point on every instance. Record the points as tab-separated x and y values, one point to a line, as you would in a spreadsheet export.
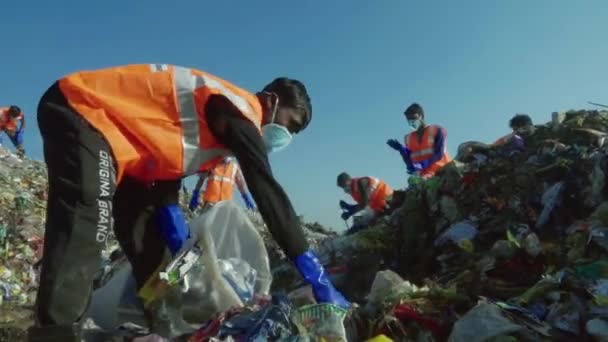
366	191
118	141
520	124
220	185
424	151
9	118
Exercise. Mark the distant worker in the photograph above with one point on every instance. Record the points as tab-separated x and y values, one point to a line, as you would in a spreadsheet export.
368	192
521	124
220	185
9	118
424	152
117	143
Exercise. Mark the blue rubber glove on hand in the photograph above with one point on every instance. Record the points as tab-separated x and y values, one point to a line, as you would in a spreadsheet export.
194	200
417	167
395	145
173	227
346	215
346	206
315	274
248	201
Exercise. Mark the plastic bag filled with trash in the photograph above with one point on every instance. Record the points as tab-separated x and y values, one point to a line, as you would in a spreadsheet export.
232	270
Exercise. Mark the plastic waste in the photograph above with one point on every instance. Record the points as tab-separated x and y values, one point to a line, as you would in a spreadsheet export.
320	322
214	286
550	200
240	276
482	323
598	328
458	232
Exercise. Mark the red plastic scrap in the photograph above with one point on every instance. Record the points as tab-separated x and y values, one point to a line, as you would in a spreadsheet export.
405	312
470	178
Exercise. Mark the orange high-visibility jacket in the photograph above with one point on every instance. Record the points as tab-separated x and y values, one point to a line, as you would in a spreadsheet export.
378	190
153	116
423	149
221	180
503	140
6	122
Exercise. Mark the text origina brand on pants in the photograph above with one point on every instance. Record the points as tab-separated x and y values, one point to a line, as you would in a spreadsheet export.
104	202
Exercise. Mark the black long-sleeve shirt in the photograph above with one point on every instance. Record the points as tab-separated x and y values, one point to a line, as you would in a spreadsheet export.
238	134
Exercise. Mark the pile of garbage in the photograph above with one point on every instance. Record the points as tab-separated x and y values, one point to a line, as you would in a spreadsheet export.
23	191
506	243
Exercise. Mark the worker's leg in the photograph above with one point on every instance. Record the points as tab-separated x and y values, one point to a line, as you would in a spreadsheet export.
135	226
78	218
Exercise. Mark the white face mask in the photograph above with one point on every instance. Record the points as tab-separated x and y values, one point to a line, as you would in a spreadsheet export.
276	137
414	124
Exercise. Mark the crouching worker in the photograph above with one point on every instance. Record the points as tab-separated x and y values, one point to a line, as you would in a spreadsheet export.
371	194
220	185
10	118
117	143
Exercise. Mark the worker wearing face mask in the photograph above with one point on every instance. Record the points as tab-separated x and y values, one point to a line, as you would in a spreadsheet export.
117	143
424	151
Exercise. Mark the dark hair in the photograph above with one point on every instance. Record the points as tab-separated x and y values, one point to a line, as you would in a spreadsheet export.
413	109
292	93
520	120
342	179
14	111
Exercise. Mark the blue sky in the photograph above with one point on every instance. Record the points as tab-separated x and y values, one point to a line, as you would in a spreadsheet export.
471	64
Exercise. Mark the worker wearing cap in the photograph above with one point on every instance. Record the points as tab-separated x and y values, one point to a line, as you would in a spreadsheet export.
368	192
118	141
220	185
424	150
10	118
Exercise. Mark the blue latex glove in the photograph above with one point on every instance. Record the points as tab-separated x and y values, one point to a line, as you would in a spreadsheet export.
395	145
173	227
346	206
248	201
314	274
416	167
346	215
194	200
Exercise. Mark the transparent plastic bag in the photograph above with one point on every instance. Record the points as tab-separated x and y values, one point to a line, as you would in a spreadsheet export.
225	233
234	236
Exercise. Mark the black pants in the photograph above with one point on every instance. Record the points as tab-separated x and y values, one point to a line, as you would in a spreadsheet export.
82	203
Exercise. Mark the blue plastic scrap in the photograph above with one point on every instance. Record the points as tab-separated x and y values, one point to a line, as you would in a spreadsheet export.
270	323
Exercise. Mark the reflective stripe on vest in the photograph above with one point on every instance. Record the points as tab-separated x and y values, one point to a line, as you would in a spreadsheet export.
153	116
372	186
185	85
421	149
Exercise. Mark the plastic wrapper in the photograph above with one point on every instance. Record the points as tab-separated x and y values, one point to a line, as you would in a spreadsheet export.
320	322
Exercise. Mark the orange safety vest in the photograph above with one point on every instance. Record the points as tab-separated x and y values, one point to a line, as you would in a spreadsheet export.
220	182
423	149
503	140
377	189
6	122
153	116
